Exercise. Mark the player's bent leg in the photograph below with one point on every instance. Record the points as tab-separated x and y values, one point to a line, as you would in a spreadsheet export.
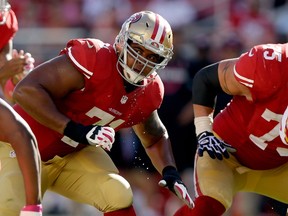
117	193
90	177
12	191
271	183
214	179
204	205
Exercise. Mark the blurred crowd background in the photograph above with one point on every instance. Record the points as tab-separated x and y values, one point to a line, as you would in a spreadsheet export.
205	31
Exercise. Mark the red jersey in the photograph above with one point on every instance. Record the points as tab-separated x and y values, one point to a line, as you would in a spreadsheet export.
253	127
8	29
102	101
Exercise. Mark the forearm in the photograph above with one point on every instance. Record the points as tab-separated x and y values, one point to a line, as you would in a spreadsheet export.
30	165
30	171
41	107
200	110
160	154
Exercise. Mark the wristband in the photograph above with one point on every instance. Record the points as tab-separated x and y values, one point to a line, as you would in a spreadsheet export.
171	171
33	208
77	132
203	123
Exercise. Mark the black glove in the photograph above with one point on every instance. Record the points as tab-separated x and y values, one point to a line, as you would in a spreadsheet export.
91	134
216	148
173	181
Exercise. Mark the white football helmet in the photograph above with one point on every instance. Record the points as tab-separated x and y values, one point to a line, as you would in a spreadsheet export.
284	127
4	9
151	31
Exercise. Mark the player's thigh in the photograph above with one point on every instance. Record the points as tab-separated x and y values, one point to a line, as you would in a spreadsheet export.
12	191
272	182
91	177
214	178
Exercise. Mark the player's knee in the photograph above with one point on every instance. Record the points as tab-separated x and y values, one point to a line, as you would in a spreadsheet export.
118	193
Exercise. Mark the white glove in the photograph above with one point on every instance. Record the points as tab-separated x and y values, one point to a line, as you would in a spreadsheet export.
29	60
31	210
101	136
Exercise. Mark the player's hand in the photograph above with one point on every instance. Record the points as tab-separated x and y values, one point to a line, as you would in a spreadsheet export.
172	180
215	148
102	136
28	60
31	210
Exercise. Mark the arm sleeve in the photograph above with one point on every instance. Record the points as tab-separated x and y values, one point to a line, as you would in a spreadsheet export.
206	86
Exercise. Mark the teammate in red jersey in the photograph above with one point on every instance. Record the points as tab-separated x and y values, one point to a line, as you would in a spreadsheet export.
19	156
241	150
13	64
76	100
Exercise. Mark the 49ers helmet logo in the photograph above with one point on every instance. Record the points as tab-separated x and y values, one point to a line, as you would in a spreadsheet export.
135	18
155	44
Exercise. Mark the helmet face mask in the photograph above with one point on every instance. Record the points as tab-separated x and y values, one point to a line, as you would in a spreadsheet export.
152	32
4	9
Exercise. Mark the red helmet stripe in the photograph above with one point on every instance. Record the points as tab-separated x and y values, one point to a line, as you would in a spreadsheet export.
159	30
163	35
156	28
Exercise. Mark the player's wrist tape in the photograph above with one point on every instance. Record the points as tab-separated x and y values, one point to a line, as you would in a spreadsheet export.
203	123
77	132
33	208
170	170
171	175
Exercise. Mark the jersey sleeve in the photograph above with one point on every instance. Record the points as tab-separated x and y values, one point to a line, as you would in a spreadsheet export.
260	70
82	53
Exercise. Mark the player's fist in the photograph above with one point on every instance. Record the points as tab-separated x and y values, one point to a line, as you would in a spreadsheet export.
101	136
28	60
31	210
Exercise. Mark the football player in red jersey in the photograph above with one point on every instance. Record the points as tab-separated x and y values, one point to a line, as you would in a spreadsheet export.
241	150
76	101
19	156
13	64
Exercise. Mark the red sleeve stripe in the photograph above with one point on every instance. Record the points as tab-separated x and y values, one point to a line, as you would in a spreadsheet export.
86	72
159	30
